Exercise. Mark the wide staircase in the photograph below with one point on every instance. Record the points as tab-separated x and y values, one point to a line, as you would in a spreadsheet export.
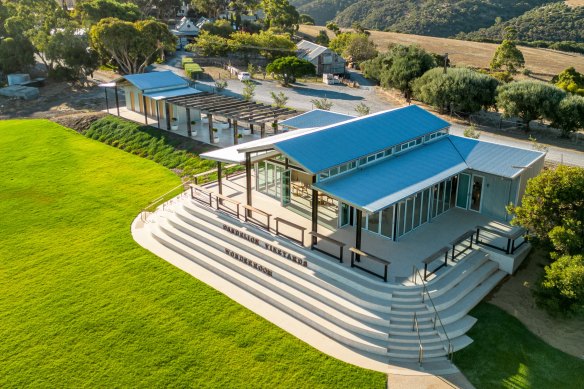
422	323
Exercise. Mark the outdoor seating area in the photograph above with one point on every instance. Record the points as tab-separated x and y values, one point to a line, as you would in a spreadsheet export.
423	247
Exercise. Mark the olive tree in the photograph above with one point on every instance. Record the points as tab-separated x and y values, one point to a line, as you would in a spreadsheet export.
287	69
570	115
508	57
529	100
460	89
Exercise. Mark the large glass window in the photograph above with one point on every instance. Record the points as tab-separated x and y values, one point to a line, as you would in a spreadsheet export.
435	200
408	215
387	222
425	204
261	176
447	192
400	218
417	209
373	222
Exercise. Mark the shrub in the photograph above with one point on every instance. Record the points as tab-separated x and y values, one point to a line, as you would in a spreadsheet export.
562	289
192	70
186	60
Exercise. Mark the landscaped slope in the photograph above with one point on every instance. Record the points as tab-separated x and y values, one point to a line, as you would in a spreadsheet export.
505	354
83	305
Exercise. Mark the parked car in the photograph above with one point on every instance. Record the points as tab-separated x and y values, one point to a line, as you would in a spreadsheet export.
244	76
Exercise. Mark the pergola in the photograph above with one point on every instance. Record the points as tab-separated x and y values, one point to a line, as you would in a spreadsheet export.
232	108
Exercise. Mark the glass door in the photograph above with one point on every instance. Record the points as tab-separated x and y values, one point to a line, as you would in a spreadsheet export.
463	189
476	194
345	218
286	187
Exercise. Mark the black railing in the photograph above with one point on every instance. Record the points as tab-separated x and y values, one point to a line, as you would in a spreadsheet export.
314	246
487	236
373	258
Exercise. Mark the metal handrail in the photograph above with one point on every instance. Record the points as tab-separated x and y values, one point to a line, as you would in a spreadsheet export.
450	349
416	327
145	210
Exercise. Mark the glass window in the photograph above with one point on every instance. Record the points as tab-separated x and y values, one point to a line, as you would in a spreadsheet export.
342	168
323	176
261	176
400	218
379	155
434	201
334	171
447	194
419	141
371	158
417	209
388	152
362	161
373	222
353	165
425	203
408	216
387	222
441	198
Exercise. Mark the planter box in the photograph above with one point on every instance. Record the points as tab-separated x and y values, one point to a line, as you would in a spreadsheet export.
174	127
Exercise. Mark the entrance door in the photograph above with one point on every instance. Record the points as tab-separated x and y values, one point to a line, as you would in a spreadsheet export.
476	193
463	189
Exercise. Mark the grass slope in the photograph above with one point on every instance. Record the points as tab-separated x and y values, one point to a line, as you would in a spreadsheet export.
505	354
83	305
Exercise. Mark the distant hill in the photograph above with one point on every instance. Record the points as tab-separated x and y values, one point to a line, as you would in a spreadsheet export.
552	22
321	11
442	18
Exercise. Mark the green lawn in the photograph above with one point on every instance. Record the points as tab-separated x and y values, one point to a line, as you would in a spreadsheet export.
81	304
506	354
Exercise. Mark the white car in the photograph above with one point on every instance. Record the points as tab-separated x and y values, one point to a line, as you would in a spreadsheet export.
244	76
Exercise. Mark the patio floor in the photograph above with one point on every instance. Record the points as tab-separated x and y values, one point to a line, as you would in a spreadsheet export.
411	249
201	128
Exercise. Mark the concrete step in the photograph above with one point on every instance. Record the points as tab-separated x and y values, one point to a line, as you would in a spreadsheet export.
277	283
358	280
292	274
302	314
323	279
465	285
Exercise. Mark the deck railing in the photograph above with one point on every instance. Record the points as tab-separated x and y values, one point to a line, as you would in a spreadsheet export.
425	292
487	236
363	255
416	327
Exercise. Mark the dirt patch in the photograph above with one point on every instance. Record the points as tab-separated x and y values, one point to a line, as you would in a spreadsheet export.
79	122
515	297
60	98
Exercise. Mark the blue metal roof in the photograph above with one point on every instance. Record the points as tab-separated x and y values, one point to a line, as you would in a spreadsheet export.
347	141
382	184
165	94
155	80
315	118
500	160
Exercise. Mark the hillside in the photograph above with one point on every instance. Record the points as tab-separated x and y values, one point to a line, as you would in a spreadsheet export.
551	22
424	17
543	62
321	10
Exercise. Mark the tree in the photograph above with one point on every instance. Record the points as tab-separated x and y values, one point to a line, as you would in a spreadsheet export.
280	99
332	26
322	38
553	209
570	80
210	8
16	55
460	89
359	48
220	27
551	199
362	109
280	13
287	69
340	42
131	46
71	52
161	9
210	45
248	90
570	115
529	100
92	11
508	57
306	19
266	43
400	66
324	104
